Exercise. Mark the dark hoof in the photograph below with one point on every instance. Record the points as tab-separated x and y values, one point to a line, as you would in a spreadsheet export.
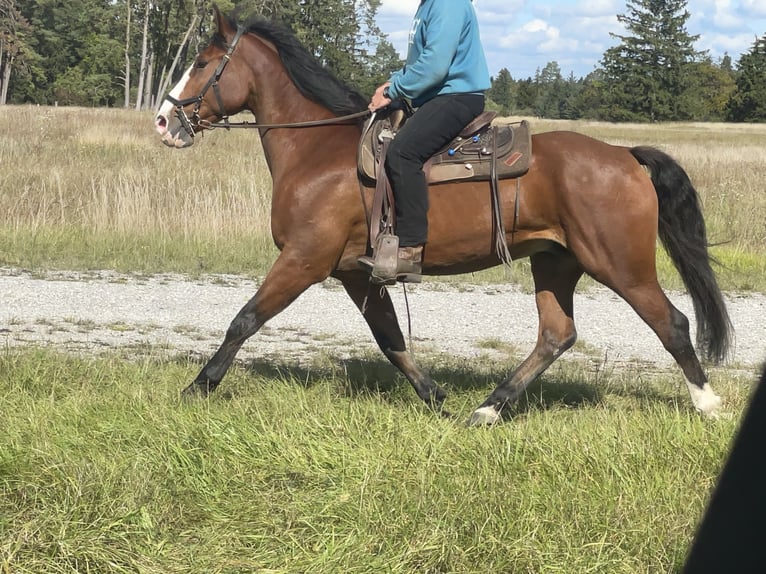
436	406
197	391
445	414
435	399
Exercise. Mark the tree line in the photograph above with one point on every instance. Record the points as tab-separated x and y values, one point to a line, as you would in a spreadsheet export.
653	73
129	52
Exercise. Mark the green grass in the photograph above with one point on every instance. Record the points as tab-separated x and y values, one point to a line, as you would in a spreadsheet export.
338	468
84	249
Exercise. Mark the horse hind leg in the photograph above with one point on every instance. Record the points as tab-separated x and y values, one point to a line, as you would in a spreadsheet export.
672	328
378	310
555	276
621	264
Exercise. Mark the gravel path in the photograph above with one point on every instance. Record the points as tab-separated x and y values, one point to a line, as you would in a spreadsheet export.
88	312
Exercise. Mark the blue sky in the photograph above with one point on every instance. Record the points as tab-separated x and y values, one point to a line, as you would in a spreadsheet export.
525	35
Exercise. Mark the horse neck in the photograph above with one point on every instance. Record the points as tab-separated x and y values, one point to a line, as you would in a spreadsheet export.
278	101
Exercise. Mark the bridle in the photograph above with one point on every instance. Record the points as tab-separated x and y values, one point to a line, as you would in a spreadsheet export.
195	121
190	123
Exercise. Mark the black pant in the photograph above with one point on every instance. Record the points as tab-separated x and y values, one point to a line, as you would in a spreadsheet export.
432	127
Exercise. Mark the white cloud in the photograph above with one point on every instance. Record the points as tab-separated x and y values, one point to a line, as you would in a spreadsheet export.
536	26
508	9
726	26
595	8
735	45
398	8
561	9
715	14
755	8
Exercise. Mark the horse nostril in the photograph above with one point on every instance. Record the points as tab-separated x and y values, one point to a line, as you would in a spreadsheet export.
161	121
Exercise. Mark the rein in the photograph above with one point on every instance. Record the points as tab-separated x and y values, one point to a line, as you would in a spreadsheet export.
190	123
308	124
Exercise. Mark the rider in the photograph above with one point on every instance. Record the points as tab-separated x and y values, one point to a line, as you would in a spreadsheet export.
445	77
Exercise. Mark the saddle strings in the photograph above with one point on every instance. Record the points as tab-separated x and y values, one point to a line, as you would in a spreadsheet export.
409	320
501	243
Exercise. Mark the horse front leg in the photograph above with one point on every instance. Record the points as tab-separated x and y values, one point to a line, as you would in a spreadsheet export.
555	276
378	310
287	279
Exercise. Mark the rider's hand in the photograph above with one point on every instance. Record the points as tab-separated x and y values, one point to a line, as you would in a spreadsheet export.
378	100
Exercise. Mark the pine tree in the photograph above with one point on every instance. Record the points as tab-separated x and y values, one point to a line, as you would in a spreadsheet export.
748	103
378	66
726	64
502	91
526	94
550	91
645	74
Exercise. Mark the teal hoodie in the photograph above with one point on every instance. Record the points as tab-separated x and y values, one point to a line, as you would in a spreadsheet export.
444	56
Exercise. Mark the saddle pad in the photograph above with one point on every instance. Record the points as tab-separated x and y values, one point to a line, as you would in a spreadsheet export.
466	158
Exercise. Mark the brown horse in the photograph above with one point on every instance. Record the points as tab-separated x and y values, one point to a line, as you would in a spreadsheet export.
584	207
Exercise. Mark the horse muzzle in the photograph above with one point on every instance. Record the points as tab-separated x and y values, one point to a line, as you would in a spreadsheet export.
173	132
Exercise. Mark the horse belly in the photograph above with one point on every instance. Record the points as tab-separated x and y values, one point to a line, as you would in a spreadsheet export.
461	234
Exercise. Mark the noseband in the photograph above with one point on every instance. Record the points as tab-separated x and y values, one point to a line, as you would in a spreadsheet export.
189	124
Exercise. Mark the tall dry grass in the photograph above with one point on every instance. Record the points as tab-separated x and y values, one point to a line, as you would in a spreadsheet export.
81	186
95	188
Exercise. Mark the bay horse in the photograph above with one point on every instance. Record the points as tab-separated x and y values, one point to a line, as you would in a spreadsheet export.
584	206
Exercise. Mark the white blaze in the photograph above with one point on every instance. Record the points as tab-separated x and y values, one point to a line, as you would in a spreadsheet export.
167	109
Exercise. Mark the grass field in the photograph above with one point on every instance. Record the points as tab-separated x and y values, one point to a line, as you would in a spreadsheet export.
337	467
94	189
297	470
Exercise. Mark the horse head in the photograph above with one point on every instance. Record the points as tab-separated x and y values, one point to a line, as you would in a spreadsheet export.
205	95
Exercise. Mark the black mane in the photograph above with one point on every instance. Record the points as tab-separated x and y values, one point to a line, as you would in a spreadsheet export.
311	78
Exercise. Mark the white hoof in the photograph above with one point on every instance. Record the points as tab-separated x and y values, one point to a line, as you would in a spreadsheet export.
484	416
705	400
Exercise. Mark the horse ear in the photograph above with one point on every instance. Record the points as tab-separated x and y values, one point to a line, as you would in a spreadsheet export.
220	19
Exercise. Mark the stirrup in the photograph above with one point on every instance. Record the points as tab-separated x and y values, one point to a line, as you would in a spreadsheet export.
383	264
386	260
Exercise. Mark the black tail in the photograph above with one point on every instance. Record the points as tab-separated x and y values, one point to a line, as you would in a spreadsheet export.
682	232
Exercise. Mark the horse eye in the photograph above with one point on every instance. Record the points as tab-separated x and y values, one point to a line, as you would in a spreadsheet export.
201	63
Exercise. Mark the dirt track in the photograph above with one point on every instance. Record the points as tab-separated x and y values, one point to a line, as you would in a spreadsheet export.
96	311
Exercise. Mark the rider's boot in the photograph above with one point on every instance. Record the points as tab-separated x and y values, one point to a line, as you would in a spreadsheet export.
407	268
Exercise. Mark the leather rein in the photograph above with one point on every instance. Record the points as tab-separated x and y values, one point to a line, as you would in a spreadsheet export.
190	123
